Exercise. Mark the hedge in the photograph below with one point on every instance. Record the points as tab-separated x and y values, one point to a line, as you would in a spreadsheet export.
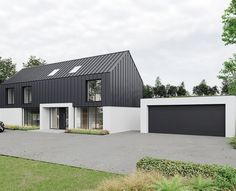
224	176
22	128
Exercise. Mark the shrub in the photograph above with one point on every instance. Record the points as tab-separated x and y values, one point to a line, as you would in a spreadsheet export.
233	142
141	181
87	131
202	184
22	128
153	181
174	184
223	176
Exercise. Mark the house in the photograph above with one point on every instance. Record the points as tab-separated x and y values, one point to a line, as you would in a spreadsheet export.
99	92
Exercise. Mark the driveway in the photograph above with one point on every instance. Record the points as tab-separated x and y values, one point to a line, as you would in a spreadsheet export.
117	152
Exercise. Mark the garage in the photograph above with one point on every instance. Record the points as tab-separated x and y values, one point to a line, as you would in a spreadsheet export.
188	119
206	115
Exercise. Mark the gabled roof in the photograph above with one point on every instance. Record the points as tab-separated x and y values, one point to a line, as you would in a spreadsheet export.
89	65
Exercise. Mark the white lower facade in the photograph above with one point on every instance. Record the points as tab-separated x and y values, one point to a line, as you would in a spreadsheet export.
228	101
64	115
11	116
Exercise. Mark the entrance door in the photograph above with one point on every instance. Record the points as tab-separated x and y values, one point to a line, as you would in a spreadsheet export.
62	118
84	118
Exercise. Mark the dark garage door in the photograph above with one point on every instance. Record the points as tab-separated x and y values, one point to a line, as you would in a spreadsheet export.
188	119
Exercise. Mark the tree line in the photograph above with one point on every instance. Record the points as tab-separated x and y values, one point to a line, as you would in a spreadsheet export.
8	67
160	90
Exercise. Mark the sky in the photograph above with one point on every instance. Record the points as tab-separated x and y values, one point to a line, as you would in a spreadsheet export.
177	40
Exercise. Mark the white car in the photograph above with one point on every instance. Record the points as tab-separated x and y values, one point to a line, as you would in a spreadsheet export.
2	127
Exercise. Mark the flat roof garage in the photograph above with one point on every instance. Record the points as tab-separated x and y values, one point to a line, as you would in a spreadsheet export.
211	116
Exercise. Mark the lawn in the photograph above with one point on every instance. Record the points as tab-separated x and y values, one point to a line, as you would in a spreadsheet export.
18	174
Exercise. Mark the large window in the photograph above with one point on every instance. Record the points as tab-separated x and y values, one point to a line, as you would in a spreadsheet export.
27	95
89	118
10	96
31	117
94	90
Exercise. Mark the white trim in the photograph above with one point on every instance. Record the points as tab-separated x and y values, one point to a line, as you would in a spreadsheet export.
229	101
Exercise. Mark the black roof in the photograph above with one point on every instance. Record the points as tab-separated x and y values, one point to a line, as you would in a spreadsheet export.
89	65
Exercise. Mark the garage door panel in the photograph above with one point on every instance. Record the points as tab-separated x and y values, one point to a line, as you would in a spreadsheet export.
188	119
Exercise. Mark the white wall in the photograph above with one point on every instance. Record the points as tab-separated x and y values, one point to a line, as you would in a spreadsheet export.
120	119
11	116
229	101
45	114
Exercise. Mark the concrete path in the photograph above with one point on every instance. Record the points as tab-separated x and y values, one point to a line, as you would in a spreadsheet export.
117	152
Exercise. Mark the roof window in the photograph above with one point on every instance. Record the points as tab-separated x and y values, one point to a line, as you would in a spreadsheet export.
75	69
53	72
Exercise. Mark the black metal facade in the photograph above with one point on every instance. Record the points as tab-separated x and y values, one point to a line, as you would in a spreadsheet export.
122	86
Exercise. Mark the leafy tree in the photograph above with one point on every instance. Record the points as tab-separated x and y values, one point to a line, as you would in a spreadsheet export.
34	61
229	22
204	90
160	91
181	91
213	90
7	69
158	82
172	91
147	91
232	87
225	88
228	74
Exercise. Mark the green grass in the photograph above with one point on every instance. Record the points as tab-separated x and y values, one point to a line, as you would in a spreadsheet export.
87	131
22	128
18	174
233	142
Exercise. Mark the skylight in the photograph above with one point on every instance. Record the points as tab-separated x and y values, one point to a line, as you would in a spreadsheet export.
75	69
53	72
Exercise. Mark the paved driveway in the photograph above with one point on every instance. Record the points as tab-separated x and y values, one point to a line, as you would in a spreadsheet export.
116	152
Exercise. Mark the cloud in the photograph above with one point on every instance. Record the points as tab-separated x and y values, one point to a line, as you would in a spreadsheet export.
177	40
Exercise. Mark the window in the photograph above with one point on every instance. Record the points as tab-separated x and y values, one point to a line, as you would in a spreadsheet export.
75	69
10	96
89	118
31	117
53	72
94	88
27	95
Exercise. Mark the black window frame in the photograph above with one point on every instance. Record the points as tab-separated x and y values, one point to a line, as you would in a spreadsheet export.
7	100
23	92
87	90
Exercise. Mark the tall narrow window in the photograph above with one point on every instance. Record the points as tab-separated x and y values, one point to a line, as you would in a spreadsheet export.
27	95
10	96
94	88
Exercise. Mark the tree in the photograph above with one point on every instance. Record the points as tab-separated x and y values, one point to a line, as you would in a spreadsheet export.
158	82
229	24
160	91
172	91
228	74
147	91
7	69
181	91
225	88
34	61
213	90
204	90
